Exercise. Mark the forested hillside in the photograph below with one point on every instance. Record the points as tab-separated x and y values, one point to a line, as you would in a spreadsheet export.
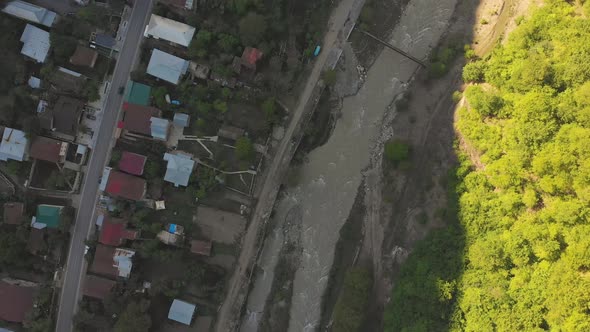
517	255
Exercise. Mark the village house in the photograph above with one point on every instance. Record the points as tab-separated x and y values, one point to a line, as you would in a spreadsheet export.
179	169
64	80
31	13
114	231
98	287
36	43
181	312
47	216
84	56
14	145
13	213
63	118
113	262
16	301
145	120
175	32
166	66
48	149
132	163
137	93
122	185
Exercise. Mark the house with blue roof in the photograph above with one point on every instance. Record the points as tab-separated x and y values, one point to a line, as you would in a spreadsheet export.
36	43
179	169
160	128
30	12
167	67
181	312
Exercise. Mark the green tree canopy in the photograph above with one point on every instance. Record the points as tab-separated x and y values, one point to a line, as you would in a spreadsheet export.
515	254
252	28
135	318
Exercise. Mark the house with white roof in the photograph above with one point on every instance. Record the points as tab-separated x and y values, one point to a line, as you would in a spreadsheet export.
14	145
167	67
169	30
30	12
35	43
179	169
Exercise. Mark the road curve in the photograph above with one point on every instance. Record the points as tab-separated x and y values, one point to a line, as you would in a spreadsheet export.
76	264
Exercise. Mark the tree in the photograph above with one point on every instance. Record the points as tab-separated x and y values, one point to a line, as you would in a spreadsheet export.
63	47
349	312
115	157
329	77
90	90
199	47
227	43
269	108
220	106
32	127
135	318
152	169
473	72
396	151
245	149
159	96
252	28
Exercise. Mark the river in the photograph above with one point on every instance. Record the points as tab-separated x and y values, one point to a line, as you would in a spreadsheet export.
329	180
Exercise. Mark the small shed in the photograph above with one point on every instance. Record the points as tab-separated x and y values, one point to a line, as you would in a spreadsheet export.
181	312
181	120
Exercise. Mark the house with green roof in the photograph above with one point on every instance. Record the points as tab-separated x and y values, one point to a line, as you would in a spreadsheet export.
137	93
47	216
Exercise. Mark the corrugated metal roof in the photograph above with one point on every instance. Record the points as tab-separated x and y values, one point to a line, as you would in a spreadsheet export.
179	169
166	66
159	128
138	93
181	119
34	82
35	43
181	312
170	30
30	12
14	144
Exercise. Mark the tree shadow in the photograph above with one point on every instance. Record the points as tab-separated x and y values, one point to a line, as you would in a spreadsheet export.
423	250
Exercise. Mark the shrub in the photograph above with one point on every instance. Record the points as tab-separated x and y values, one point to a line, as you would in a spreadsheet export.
396	151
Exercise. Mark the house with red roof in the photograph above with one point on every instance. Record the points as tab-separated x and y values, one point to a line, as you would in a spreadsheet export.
125	186
250	57
48	149
132	163
114	232
15	301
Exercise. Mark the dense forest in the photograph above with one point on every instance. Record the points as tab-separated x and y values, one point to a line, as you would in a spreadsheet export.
516	253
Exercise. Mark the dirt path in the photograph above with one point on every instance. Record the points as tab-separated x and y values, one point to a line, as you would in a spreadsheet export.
228	315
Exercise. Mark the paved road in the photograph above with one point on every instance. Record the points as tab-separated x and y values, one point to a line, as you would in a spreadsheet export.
76	264
228	315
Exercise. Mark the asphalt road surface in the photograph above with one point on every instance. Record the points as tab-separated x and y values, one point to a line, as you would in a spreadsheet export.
76	264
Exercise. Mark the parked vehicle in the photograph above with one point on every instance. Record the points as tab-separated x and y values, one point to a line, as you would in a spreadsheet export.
121	90
90	116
